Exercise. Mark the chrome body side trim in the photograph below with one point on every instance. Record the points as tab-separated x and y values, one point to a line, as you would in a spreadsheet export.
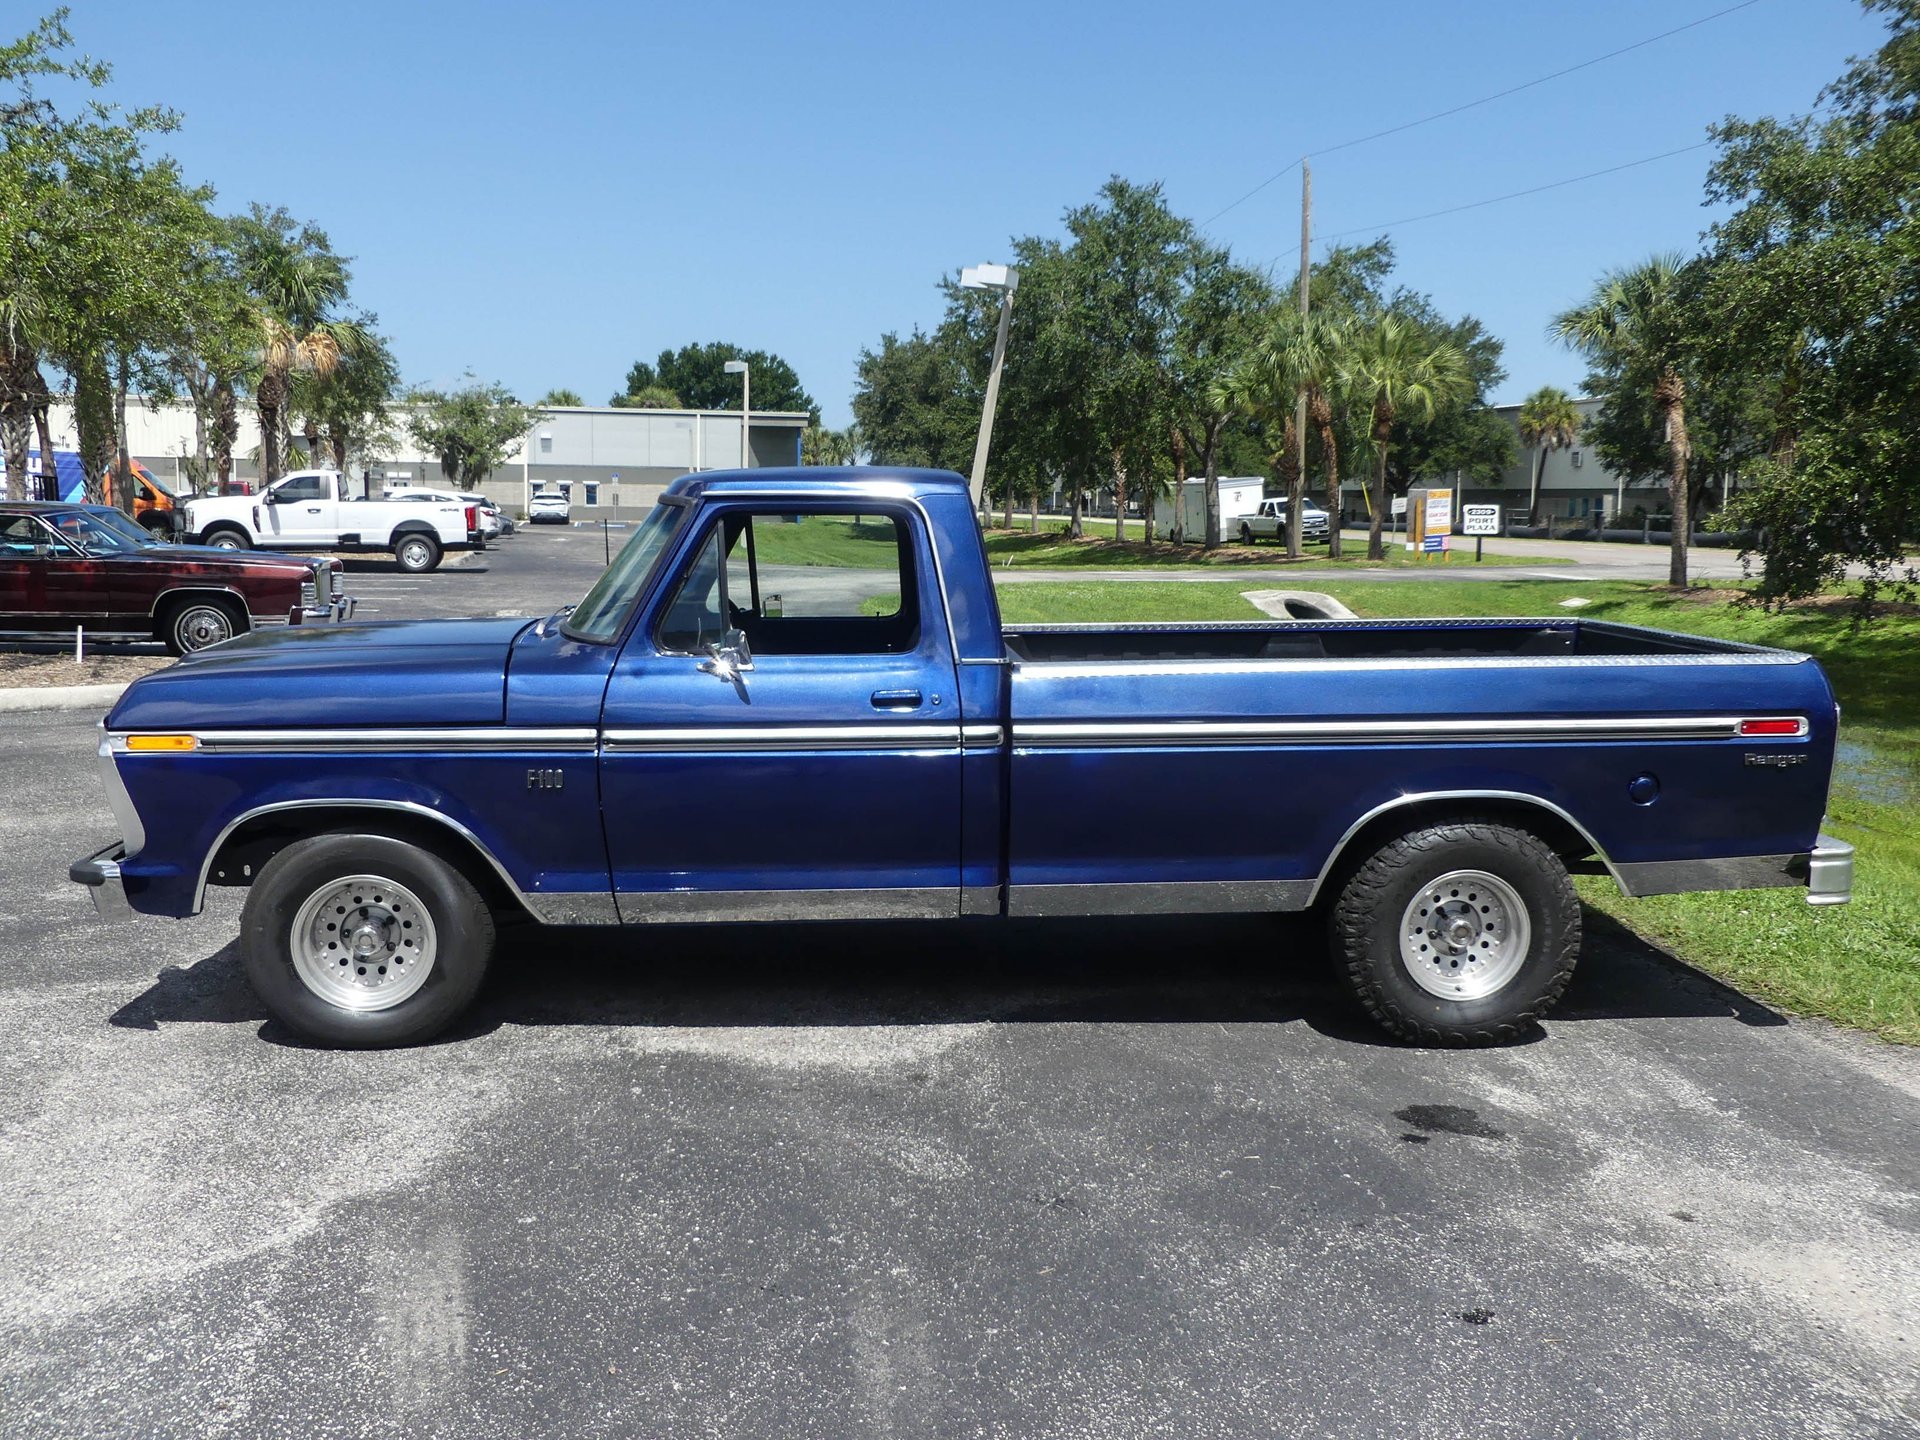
783	737
656	907
987	737
225	742
1180	897
1378	732
1830	872
1426	797
1720	872
1091	669
980	899
575	907
118	800
406	807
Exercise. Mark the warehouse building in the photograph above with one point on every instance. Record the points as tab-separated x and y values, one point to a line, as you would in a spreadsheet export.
610	463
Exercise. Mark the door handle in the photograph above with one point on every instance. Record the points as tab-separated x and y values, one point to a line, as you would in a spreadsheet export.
896	699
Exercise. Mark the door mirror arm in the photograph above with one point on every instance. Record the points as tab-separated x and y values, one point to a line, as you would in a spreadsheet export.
730	659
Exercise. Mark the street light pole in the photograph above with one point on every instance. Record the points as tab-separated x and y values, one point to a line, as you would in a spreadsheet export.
1006	280
740	368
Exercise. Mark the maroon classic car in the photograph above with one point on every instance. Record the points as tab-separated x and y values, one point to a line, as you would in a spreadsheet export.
66	566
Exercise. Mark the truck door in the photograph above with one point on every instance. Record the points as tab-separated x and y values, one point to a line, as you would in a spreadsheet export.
300	510
781	738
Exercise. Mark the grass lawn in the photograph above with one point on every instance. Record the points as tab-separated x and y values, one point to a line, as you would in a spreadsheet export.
1858	964
1050	549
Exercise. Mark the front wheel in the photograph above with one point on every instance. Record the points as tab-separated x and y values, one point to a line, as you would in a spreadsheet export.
417	554
364	940
1246	534
229	540
1461	933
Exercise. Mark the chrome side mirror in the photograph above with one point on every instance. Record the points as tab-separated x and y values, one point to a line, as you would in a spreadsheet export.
731	657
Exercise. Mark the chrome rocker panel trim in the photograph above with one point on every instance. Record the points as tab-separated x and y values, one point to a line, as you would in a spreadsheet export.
672	907
1181	897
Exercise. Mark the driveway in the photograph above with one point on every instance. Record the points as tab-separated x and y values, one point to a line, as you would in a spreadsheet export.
1147	1178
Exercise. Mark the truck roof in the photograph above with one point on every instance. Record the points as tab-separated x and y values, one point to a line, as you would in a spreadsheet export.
879	481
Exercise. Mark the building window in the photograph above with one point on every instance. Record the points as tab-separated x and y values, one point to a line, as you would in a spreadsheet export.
546	442
593	492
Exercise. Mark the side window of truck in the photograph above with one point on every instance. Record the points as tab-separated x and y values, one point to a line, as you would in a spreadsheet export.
800	583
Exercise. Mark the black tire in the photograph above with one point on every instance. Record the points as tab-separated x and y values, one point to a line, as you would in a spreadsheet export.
462	938
416	552
228	538
1246	533
1386	889
197	622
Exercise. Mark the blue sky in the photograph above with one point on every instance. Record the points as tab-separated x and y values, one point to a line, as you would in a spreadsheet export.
544	194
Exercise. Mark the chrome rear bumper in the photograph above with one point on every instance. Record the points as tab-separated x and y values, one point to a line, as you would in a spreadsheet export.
1830	872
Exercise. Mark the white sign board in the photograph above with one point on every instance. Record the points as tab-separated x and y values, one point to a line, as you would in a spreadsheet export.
1480	520
1399	505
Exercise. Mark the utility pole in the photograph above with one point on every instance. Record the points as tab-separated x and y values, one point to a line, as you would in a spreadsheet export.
1297	502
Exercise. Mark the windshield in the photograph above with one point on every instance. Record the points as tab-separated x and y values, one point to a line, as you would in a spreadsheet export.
158	484
94	533
605	609
132	530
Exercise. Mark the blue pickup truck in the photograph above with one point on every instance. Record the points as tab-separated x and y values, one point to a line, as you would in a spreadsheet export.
791	698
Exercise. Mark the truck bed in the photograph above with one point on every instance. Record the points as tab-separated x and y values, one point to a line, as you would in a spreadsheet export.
1355	640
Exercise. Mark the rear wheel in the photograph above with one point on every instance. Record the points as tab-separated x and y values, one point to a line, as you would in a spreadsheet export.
364	940
196	623
1246	533
416	553
1460	933
228	539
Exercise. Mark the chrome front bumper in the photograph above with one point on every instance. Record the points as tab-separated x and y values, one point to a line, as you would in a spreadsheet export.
100	873
1830	872
335	610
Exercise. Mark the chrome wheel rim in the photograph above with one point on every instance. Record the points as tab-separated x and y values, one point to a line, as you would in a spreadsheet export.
224	541
201	626
413	555
1465	935
363	943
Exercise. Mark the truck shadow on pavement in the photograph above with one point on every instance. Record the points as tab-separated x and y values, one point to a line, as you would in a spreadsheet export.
1171	970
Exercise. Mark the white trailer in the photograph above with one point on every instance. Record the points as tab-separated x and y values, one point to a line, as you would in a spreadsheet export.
1239	495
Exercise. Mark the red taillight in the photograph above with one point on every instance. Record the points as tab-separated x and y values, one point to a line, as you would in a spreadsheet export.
473	517
1773	727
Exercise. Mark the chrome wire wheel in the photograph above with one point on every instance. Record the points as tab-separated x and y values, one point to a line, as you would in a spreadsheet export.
1465	935
363	943
200	625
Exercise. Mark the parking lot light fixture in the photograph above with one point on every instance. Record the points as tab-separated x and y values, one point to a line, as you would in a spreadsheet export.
1006	280
740	368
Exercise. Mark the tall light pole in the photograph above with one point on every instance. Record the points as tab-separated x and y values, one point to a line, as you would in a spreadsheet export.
1006	280
740	368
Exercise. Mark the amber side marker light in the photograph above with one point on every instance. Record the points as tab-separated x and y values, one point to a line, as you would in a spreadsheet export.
163	743
1773	727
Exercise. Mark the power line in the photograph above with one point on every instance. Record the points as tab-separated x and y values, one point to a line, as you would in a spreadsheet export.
1485	100
1517	194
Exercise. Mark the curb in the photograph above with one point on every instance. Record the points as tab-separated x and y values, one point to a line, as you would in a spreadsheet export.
59	697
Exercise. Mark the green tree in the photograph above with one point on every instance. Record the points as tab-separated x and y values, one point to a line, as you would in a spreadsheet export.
822	446
298	288
651	397
564	398
1310	353
1634	330
697	376
473	429
1398	373
913	402
350	407
1809	321
1217	322
1549	421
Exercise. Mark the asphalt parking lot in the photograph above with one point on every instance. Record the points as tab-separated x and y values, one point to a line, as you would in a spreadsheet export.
1052	1179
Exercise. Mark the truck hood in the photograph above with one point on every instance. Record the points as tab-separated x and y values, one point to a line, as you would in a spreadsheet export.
371	676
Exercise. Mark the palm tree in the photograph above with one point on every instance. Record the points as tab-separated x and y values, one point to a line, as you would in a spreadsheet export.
1265	388
1396	371
1633	322
1311	349
295	283
1549	421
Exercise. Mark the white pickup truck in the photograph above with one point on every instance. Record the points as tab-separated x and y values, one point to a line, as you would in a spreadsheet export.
316	510
1269	522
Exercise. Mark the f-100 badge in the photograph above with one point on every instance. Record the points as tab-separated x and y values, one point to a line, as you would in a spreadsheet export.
546	779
